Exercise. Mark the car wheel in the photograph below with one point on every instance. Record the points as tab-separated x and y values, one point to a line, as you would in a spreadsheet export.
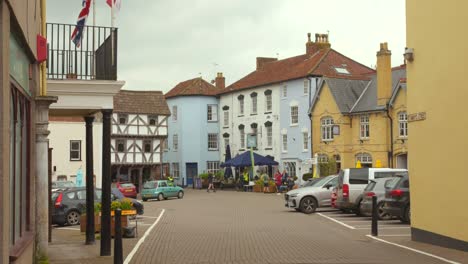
160	197
357	211
180	195
381	213
308	205
73	218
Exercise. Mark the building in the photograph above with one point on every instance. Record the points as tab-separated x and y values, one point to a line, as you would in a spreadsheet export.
139	132
362	119
194	129
437	56
271	103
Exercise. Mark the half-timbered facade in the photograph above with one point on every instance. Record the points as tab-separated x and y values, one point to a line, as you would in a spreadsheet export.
139	133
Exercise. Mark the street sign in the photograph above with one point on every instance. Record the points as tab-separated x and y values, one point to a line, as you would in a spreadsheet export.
252	141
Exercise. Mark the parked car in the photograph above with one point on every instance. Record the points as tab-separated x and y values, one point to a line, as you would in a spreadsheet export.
309	182
127	189
308	199
352	182
376	188
62	185
161	190
397	198
118	195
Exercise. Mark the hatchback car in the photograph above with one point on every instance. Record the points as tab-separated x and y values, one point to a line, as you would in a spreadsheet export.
397	198
62	185
161	190
376	188
308	199
127	189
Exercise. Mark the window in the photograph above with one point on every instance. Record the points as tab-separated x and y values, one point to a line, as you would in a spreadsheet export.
322	158
165	145
123	119
174	112
162	184
290	168
212	113
365	159
305	140
284	91
327	128
285	143
19	175
242	137
341	70
212	166
120	145
254	103
226	142
306	86
212	141
364	127
403	124
148	145
75	150
175	142
358	176
294	115
153	120
241	104
268	101
175	170
226	118
269	133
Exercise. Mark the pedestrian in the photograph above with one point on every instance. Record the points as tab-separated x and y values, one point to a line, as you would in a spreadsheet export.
285	176
210	182
266	182
278	180
290	183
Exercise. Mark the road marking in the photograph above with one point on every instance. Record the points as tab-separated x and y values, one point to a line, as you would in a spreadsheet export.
67	228
137	246
414	250
336	221
395	227
401	235
152	217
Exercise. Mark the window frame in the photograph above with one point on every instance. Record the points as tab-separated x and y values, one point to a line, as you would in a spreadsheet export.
226	118
403	124
175	170
364	126
145	142
74	150
306	86
212	113
269	133
292	116
213	142
241	105
121	117
175	142
174	113
284	91
242	138
284	143
326	129
213	167
152	117
124	143
305	141
364	158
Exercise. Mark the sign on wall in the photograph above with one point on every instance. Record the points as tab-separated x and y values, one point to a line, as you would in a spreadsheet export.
336	130
252	141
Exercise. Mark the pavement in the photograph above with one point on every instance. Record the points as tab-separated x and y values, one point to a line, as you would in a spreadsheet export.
238	227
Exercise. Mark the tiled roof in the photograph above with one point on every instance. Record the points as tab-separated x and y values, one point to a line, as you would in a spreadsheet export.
141	102
196	86
322	63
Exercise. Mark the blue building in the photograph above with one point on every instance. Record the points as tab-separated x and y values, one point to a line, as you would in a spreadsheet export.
193	140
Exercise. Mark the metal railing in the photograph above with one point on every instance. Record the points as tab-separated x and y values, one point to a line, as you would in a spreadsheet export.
94	59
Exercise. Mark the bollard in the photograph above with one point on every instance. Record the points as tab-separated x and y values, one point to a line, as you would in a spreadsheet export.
375	216
118	254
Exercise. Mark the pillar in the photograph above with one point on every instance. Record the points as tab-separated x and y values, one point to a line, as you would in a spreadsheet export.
140	180
106	183
90	238
42	174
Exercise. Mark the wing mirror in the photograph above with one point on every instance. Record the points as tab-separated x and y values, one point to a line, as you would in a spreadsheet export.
328	185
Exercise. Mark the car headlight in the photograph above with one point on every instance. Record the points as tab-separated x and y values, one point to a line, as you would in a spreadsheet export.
294	195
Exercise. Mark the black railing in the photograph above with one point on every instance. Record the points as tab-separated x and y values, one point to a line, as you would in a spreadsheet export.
94	59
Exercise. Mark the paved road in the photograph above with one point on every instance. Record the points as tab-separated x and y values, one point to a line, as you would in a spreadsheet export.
232	227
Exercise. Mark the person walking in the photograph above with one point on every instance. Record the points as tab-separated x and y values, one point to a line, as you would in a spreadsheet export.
266	182
210	182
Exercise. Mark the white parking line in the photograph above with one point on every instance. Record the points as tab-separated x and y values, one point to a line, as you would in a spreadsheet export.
414	250
395	235
67	228
135	249
393	227
336	221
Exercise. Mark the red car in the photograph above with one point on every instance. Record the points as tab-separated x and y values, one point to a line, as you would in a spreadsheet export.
127	189
333	197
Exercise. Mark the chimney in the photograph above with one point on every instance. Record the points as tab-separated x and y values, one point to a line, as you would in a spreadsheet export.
220	81
321	42
261	61
384	75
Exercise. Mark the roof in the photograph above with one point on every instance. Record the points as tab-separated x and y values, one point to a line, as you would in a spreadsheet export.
141	102
320	63
196	86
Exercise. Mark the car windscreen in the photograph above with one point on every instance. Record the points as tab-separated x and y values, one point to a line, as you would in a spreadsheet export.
149	185
370	186
310	182
320	182
64	184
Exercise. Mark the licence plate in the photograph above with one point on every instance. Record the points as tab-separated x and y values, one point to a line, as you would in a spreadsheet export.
128	190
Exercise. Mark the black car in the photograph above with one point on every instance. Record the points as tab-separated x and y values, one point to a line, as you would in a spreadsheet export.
397	198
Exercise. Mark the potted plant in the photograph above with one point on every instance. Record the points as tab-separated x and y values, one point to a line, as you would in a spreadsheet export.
125	205
258	187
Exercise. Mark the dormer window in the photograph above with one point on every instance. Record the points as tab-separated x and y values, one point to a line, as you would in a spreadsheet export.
341	70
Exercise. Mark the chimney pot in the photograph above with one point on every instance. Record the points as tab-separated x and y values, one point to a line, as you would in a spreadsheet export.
220	81
308	37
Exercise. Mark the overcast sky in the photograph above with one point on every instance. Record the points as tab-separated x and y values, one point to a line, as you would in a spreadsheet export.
164	42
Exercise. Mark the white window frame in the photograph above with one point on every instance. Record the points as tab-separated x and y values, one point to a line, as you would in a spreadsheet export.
254	105
326	128
294	114
226	118
284	142
306	86
305	141
403	124
213	141
290	167
212	167
364	158
284	91
75	150
175	170
174	112
242	138
268	103
175	142
212	113
269	132
241	106
322	158
364	128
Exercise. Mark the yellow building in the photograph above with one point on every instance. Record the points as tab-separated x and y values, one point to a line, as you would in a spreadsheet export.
437	70
362	119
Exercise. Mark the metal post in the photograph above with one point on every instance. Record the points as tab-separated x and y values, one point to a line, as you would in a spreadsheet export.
118	255
375	216
90	239
106	184
51	204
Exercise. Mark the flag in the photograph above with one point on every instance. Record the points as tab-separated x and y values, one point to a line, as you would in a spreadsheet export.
77	34
117	4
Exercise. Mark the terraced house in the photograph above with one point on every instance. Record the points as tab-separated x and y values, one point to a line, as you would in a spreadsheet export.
363	119
272	102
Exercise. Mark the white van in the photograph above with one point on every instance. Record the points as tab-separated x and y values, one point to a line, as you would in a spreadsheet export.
352	182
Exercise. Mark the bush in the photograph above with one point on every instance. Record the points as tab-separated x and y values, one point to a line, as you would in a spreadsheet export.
203	176
307	176
328	168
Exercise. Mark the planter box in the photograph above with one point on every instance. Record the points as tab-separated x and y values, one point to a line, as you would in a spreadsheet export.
97	222
257	188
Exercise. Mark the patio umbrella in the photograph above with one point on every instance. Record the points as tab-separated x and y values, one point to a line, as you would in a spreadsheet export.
245	160
228	170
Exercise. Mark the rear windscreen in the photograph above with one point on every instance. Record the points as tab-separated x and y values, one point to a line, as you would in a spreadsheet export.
387	174
359	176
149	185
127	185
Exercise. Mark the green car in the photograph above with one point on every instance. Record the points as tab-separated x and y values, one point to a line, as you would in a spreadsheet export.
161	190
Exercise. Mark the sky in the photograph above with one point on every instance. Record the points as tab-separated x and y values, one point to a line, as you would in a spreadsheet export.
164	42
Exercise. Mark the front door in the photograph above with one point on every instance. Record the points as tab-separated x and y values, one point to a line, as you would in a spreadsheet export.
191	172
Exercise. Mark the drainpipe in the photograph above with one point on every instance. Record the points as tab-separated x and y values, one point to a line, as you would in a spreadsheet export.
43	86
390	156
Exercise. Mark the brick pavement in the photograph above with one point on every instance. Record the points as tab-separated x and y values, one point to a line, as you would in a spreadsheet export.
231	227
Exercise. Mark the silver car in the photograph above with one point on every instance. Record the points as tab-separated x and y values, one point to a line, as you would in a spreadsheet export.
376	188
308	199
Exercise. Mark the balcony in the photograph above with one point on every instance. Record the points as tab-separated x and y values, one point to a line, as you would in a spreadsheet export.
94	59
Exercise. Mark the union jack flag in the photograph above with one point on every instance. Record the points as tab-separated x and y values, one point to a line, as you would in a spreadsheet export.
77	34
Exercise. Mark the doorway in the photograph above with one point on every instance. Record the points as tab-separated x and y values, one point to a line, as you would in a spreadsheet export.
191	172
402	161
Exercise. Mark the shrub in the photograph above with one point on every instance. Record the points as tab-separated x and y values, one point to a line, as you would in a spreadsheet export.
97	208
115	205
203	176
307	176
126	204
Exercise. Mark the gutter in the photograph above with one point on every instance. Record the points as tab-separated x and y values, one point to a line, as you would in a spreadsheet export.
390	156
